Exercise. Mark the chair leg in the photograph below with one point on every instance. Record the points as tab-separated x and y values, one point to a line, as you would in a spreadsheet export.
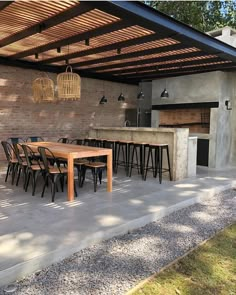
75	190
147	163
14	171
27	181
137	160
168	160
83	176
160	164
132	160
100	176
94	178
8	171
53	184
44	186
33	182
62	182
153	163
18	176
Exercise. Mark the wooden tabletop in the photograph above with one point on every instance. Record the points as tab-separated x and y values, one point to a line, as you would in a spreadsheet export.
77	151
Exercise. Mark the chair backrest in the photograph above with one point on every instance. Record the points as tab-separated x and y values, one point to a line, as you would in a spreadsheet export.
15	139
9	151
63	140
90	142
47	158
77	141
34	138
17	148
29	155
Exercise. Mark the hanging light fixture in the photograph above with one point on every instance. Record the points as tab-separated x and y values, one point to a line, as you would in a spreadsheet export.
69	85
43	89
165	93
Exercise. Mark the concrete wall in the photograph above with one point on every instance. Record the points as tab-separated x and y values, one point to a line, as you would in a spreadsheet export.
214	86
233	118
20	116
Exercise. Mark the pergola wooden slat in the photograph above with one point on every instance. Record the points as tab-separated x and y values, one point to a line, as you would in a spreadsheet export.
113	40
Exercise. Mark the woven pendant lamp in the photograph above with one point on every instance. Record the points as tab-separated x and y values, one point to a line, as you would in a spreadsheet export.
43	89
69	85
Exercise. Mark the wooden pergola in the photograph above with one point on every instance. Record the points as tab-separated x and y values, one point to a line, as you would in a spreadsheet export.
118	41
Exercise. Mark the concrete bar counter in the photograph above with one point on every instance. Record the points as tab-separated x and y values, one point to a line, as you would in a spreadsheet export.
176	138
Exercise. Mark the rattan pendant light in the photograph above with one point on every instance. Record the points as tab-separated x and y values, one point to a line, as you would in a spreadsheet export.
69	85
43	89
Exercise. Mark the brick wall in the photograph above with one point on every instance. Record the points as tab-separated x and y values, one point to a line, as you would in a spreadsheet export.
200	119
20	116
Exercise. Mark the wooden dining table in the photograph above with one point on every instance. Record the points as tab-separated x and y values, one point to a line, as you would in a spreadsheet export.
71	152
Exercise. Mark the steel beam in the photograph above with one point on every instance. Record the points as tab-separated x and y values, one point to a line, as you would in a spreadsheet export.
147	61
73	39
130	55
163	66
104	48
70	13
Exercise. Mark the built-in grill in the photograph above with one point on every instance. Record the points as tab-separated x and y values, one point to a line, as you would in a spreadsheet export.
195	116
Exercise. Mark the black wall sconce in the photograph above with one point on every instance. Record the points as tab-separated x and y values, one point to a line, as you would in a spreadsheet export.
103	100
228	105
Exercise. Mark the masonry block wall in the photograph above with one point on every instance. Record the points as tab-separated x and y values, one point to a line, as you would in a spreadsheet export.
20	116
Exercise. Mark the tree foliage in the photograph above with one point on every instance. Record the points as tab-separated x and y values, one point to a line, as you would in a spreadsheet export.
202	15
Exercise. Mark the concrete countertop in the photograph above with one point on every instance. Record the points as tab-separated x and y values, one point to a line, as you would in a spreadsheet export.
148	129
201	135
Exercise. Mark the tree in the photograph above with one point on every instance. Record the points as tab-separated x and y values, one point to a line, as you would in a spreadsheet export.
202	15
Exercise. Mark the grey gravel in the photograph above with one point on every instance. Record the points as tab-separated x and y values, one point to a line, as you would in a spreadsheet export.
116	265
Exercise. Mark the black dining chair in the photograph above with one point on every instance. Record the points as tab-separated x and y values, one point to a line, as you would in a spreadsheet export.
34	139
63	140
22	164
34	167
11	159
53	173
15	140
78	141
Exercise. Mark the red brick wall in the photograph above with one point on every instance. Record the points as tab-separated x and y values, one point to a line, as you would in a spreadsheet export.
185	116
20	116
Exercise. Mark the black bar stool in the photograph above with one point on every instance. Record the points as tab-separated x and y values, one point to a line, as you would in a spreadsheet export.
156	166
124	146
139	152
111	144
90	141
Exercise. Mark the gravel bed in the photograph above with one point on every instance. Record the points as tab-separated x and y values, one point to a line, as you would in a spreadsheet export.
116	265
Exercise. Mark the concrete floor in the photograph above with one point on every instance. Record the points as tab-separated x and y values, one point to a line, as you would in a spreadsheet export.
35	232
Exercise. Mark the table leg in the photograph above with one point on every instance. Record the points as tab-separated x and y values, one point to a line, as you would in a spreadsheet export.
70	180
109	172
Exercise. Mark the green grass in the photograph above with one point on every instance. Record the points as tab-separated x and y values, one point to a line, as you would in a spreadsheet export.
208	270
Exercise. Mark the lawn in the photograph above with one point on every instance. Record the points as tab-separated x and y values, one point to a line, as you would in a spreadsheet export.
208	270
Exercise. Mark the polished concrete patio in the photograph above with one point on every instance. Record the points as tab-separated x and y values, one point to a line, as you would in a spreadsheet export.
35	232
